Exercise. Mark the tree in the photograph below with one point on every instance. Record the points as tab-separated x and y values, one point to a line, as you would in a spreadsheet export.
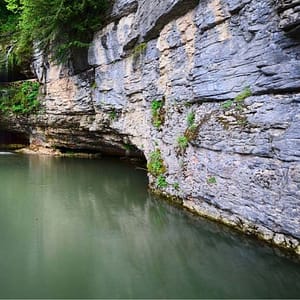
8	20
58	27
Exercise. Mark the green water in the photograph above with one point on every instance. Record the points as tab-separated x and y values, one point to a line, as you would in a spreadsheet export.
78	228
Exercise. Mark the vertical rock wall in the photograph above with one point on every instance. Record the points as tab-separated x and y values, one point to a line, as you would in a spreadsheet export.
226	74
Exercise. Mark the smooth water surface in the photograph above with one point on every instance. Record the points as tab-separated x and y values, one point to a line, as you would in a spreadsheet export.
79	228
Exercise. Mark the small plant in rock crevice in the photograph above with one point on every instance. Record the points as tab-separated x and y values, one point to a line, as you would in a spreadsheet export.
191	119
157	168
227	104
243	95
176	186
156	165
94	85
211	180
238	102
190	133
182	142
235	109
158	112
112	114
129	147
139	49
161	182
192	129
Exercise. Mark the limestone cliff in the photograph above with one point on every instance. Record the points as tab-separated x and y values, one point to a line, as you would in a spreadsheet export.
210	89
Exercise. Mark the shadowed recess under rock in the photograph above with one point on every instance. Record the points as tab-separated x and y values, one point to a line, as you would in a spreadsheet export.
13	140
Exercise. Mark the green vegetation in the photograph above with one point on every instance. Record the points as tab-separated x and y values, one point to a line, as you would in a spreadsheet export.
94	85
139	49
236	107
243	95
176	186
238	101
192	130
187	104
129	147
191	119
242	121
20	98
161	182
227	104
189	134
182	142
156	165
8	20
211	180
8	23
156	105
59	27
112	115
158	112
157	168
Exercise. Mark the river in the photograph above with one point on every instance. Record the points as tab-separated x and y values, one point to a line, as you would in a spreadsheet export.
88	228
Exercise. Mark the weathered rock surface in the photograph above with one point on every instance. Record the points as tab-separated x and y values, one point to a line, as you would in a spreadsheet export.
289	11
241	160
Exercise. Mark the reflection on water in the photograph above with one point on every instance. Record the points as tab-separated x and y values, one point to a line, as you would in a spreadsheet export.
73	228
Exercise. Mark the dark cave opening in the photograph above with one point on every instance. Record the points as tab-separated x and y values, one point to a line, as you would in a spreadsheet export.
131	154
13	140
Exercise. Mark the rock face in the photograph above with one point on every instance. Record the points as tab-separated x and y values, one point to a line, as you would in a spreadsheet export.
212	87
289	11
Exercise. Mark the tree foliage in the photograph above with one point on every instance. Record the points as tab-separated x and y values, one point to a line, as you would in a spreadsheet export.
20	98
8	21
57	27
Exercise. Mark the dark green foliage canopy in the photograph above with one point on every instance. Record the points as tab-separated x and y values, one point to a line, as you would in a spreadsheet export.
56	26
20	98
8	20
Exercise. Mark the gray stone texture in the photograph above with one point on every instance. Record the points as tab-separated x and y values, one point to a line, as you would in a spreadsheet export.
289	11
123	8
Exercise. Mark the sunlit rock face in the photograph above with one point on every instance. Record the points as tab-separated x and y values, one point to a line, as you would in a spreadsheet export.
227	74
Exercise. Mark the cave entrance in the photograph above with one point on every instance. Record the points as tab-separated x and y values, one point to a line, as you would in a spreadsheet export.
126	152
10	140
